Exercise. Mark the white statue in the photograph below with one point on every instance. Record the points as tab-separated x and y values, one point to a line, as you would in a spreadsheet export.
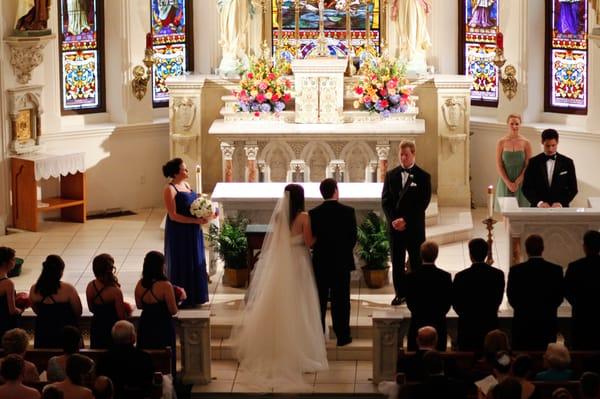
409	17
234	21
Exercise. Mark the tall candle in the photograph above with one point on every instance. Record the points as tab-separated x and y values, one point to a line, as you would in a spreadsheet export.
198	179
149	40
490	191
500	40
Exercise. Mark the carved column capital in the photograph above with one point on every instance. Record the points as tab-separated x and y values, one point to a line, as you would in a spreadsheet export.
251	151
383	151
26	53
227	149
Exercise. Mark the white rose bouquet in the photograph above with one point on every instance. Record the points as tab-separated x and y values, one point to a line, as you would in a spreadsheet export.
201	207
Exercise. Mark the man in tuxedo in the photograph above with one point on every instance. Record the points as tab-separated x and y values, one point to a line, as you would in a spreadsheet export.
412	365
334	229
535	291
550	180
428	297
405	197
476	296
581	290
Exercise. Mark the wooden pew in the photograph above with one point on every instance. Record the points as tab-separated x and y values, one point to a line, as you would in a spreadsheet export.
546	388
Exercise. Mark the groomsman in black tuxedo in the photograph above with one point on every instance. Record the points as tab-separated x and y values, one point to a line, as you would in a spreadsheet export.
334	228
550	180
405	197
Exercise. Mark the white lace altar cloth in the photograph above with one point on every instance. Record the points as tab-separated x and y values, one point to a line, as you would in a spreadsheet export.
56	165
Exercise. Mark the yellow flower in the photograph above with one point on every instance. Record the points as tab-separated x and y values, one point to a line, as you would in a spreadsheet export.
268	95
356	104
253	93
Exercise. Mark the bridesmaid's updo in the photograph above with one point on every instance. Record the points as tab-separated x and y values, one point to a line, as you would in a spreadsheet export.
49	281
103	266
296	193
153	269
171	168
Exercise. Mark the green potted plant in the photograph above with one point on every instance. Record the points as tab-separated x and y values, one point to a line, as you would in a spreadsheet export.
231	244
374	250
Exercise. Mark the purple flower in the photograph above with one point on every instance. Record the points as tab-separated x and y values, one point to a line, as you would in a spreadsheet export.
265	107
385	113
403	108
243	106
395	99
378	106
254	107
279	106
395	109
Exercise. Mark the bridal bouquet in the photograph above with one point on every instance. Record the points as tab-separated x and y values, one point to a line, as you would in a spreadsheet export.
201	207
382	88
263	88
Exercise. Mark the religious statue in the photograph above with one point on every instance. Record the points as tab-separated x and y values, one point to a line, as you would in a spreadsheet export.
234	20
78	11
32	17
413	38
480	14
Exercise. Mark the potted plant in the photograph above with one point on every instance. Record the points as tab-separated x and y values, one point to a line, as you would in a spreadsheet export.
374	250
231	244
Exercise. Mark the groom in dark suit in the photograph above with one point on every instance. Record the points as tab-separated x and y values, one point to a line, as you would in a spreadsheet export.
334	229
405	197
550	180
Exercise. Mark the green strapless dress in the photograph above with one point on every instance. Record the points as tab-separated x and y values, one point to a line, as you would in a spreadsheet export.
514	162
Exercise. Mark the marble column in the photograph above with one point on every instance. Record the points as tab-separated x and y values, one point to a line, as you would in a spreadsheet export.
251	150
195	346
383	152
337	169
227	150
298	171
372	172
262	170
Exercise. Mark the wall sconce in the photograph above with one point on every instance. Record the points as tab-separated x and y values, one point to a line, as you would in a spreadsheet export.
142	75
509	81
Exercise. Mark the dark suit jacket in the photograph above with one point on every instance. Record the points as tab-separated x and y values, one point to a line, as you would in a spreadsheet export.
130	369
428	297
476	295
437	386
409	203
564	181
535	291
581	290
334	227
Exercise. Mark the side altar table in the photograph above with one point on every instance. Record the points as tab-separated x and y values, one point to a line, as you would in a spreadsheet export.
561	228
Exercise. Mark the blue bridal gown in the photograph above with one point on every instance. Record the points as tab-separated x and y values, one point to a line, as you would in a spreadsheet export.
184	252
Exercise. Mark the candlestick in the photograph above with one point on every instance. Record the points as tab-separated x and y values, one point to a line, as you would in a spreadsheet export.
490	191
500	40
149	40
198	179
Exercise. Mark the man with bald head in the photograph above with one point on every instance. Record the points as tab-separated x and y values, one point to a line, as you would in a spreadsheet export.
412	365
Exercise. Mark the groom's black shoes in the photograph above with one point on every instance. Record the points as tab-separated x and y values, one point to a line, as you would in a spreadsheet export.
344	341
397	301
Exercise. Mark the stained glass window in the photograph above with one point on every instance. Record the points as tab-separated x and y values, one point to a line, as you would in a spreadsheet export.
172	33
334	26
81	55
478	48
566	83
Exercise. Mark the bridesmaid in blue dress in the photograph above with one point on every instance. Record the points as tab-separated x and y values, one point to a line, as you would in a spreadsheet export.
184	241
9	312
105	301
512	155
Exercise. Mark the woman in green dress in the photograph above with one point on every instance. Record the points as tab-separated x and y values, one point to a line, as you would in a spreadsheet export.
512	155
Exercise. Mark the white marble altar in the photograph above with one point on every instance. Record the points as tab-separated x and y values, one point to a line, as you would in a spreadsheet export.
561	228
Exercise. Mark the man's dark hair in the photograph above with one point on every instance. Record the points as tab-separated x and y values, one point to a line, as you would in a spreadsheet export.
433	363
549	134
429	251
6	254
591	242
71	340
590	384
509	388
103	388
12	367
478	249
522	366
52	393
327	188
78	367
534	245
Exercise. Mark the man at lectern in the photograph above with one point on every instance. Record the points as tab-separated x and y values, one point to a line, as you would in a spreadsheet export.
550	180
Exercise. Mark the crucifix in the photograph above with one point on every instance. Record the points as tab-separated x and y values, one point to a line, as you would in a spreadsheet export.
322	49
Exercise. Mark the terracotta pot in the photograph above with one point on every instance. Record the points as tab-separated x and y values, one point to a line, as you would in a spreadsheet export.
375	278
237	278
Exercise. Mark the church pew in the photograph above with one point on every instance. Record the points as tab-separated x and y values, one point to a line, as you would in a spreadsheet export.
546	388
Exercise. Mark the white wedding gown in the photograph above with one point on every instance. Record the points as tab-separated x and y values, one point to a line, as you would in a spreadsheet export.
280	336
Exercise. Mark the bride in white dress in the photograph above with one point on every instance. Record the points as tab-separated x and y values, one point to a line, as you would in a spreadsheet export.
280	335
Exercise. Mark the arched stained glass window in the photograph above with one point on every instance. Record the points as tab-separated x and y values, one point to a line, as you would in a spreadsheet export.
81	51
566	75
171	22
477	38
335	28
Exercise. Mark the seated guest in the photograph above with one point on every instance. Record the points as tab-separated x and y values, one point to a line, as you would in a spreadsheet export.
52	393
509	388
561	393
79	370
11	370
590	385
477	293
495	341
103	388
581	290
556	360
500	372
412	366
549	179
55	302
428	296
105	301
521	371
129	368
9	312
535	291
15	342
57	365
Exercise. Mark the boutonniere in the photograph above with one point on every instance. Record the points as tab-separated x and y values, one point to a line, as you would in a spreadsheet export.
411	176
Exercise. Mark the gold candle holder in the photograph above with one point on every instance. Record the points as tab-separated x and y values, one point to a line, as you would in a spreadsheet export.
141	75
489	225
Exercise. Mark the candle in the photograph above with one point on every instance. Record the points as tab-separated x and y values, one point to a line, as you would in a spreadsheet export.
149	40
198	179
500	40
490	191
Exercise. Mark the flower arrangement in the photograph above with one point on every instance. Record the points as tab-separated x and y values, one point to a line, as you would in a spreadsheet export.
263	88
382	88
201	207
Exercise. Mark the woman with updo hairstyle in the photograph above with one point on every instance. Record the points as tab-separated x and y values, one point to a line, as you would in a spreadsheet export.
9	312
184	241
105	301
55	303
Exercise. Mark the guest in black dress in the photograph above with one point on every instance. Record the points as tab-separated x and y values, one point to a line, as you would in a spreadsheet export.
55	302
105	301
155	296
9	313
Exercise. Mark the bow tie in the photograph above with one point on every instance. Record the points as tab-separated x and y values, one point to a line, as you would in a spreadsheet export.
550	157
404	170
